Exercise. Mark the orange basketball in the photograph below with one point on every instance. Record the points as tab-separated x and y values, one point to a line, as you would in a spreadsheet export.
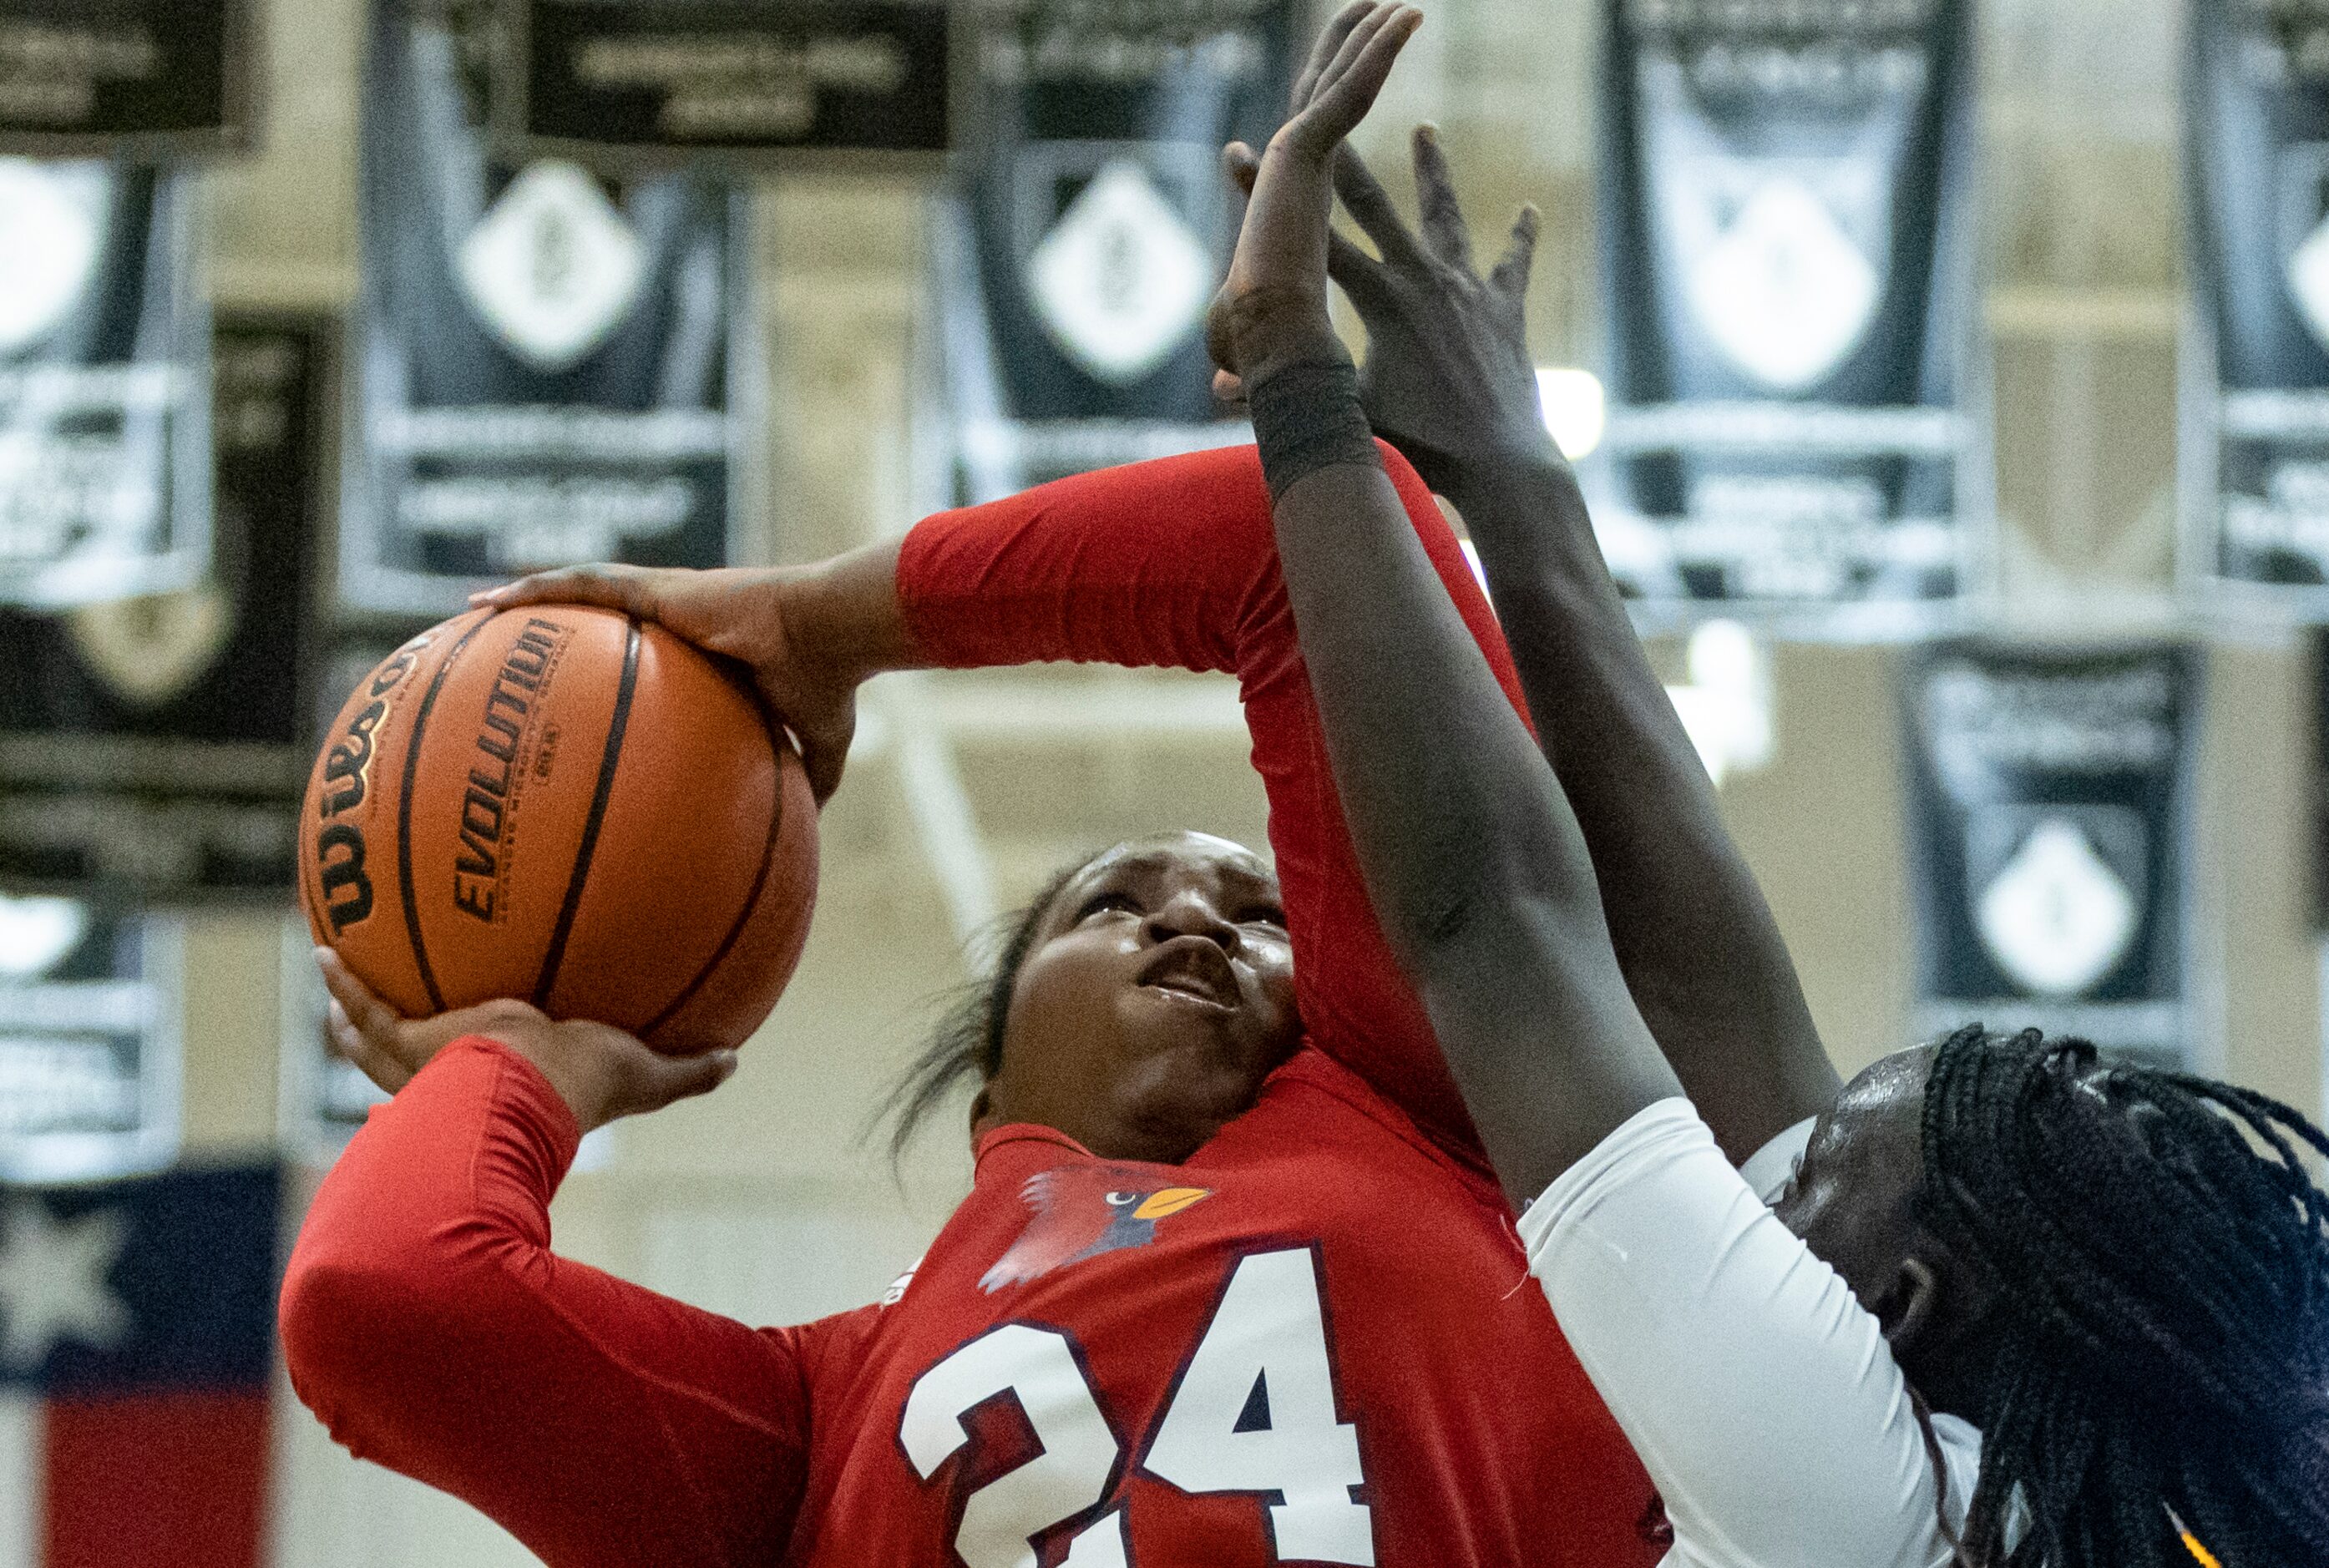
569	807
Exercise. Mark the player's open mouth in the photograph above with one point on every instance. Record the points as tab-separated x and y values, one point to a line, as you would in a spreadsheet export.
1196	969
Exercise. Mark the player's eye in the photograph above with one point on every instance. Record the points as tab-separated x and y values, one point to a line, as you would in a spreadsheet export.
1122	1199
1264	915
1101	902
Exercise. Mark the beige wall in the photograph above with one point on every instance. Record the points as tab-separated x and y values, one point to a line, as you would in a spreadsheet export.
763	1200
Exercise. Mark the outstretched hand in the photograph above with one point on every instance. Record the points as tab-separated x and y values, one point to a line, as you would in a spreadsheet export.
600	1072
1272	308
1448	378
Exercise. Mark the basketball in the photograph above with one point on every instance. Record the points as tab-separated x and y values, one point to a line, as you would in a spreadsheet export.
567	807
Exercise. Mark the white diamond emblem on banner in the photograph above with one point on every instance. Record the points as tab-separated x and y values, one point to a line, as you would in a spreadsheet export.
1784	293
48	242
1121	280
2057	918
36	932
554	267
2308	281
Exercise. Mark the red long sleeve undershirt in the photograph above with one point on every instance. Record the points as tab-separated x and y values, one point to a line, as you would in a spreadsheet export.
424	1317
1174	563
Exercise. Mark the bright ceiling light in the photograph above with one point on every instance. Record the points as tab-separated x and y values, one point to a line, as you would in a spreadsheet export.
1576	409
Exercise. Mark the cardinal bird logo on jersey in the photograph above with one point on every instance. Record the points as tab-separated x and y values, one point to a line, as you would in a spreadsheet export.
1079	1211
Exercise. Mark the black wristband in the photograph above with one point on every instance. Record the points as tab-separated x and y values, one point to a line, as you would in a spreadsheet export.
1306	417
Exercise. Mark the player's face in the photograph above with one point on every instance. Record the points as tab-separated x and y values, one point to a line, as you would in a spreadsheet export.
1157	995
1852	1197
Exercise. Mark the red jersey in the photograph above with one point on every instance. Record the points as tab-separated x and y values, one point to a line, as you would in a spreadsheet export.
1316	1341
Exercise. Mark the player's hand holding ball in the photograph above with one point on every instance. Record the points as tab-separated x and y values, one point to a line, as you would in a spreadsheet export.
600	1072
780	623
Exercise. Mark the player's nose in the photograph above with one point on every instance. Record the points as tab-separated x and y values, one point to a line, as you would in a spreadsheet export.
1189	913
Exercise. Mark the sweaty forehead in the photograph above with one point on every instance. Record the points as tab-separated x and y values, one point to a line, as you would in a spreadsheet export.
1877	1118
1179	856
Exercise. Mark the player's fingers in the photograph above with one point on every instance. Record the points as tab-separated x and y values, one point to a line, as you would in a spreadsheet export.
377	1064
1349	87
1228	389
1242	164
823	751
1435	201
1511	276
1369	206
1353	47
613	586
660	1081
373	1018
1366	280
1329	41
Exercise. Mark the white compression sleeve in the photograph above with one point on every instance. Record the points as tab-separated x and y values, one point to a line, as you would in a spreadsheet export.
1760	1395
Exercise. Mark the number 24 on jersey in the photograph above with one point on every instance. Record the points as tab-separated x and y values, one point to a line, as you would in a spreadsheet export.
1269	1334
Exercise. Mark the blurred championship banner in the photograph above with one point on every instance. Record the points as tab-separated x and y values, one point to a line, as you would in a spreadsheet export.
115	76
104	417
136	1345
1787	258
89	1006
2049	799
1091	228
617	82
547	366
158	743
2255	447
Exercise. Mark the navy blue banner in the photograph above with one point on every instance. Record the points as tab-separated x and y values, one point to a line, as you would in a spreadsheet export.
1786	275
623	82
548	364
105	477
157	745
1091	228
2049	800
90	1066
115	76
2255	448
160	1283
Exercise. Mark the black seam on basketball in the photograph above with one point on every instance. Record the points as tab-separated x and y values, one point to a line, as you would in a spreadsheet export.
751	901
404	819
556	952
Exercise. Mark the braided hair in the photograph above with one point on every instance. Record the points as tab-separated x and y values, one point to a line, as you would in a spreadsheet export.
2159	1265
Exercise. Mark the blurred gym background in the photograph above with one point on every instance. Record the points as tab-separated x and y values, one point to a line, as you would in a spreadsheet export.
2084	372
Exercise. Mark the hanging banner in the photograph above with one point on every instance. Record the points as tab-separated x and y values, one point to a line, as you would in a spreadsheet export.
2255	451
157	744
105	484
618	82
90	1009
2048	804
547	367
1091	227
125	76
137	1360
1787	276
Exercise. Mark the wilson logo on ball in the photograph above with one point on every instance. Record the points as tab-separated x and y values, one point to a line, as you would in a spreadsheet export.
346	884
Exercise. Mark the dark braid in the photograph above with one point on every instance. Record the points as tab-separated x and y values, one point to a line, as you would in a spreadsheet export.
2159	1262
